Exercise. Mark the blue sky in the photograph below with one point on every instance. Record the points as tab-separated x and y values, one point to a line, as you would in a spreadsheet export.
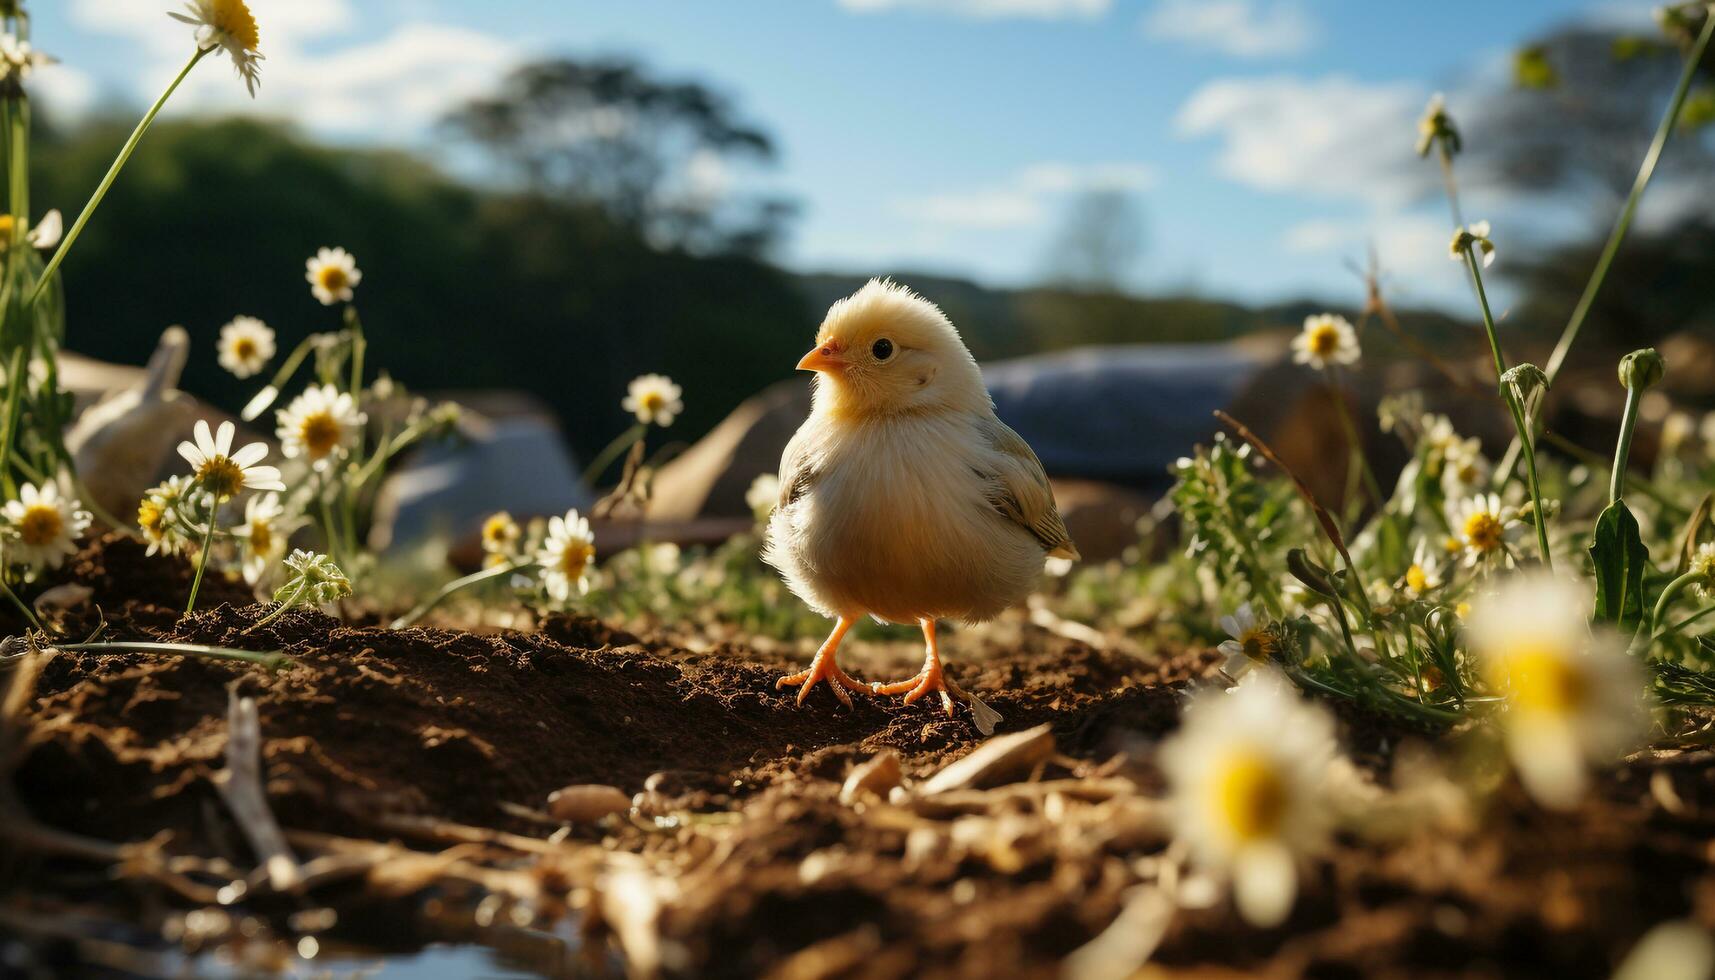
1265	140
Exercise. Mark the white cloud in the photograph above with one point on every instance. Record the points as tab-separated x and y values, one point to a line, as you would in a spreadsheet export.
1026	198
988	9
64	91
1411	248
391	87
1241	28
1331	137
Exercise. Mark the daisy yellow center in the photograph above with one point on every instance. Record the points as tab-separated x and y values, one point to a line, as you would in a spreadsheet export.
221	476
149	515
332	278
652	401
1483	531
6	226
233	18
261	536
40	525
244	348
499	530
1257	644
1416	579
575	558
1250	796
1323	340
320	433
1542	682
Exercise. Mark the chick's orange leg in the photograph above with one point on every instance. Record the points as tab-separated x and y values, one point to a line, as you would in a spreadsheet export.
930	678
825	668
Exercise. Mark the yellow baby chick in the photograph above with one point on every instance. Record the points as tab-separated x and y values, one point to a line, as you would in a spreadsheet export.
902	496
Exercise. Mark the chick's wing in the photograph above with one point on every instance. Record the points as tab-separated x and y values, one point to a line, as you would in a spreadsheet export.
1020	489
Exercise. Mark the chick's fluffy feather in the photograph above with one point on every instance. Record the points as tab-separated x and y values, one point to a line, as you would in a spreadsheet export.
902	496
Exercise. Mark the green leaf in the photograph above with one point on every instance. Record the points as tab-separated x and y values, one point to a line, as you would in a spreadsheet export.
1621	559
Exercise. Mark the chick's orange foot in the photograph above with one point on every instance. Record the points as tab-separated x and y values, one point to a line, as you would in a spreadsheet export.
825	668
930	678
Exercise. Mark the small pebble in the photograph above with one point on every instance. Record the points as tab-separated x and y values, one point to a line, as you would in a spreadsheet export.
587	803
874	777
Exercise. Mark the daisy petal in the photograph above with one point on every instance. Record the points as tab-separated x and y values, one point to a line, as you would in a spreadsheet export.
253	453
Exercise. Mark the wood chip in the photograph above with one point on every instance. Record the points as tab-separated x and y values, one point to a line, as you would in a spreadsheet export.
999	760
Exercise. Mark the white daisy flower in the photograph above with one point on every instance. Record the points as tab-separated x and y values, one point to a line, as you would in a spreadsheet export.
321	425
654	399
1326	340
229	25
158	516
567	555
265	533
1484	527
332	274
246	346
1464	468
501	534
1246	776
18	59
1475	235
45	235
1573	697
1703	566
1424	575
42	526
1438	433
763	495
219	471
1253	644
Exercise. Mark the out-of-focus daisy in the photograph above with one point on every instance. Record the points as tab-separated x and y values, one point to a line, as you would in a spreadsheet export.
45	235
763	495
1435	125
1703	566
567	555
220	472
654	399
1246	771
1464	468
1573	697
1475	235
229	25
246	346
1253	644
501	534
158	516
1439	434
1484	527
18	59
265	533
332	274
320	425
42	526
1424	574
1678	431
1326	340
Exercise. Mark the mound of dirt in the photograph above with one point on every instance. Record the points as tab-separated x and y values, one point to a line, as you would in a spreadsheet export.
366	721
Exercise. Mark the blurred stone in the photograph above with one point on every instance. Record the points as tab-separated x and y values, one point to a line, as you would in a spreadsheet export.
121	442
514	462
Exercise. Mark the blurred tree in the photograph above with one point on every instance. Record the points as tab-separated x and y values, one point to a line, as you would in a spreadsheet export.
461	288
1098	242
655	155
1582	108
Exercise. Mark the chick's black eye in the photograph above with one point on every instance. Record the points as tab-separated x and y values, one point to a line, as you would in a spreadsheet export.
882	349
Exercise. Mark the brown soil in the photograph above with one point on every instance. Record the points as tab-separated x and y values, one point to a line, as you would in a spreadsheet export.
366	723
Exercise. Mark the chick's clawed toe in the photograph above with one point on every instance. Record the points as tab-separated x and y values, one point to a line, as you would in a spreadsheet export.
825	668
930	678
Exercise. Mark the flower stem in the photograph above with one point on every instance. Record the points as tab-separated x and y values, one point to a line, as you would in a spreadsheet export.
1510	395
107	181
605	458
1623	446
9	425
273	661
29	614
423	608
1358	460
1668	594
1646	170
280	609
202	555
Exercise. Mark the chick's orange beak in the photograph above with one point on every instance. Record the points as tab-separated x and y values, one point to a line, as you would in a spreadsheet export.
823	358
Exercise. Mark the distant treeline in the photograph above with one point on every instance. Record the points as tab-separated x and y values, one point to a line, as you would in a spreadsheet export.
472	288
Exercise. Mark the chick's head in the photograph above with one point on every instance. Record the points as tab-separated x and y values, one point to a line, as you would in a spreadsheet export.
885	351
